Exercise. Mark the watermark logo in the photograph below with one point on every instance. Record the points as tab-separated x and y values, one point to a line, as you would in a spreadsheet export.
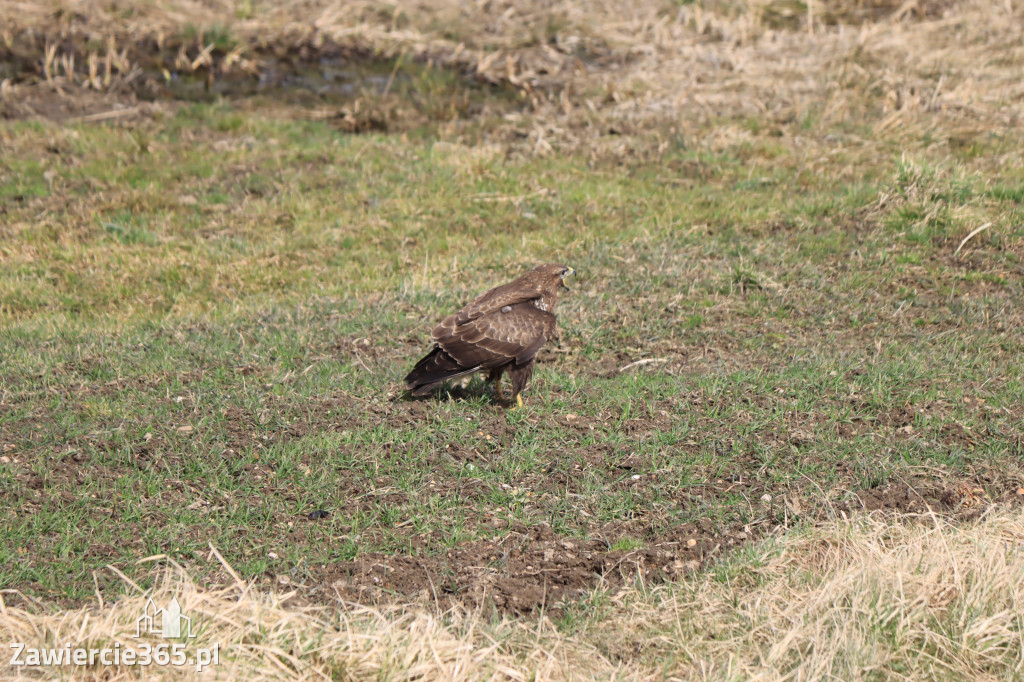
168	623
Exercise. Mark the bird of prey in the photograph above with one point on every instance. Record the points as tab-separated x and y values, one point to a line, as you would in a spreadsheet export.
498	331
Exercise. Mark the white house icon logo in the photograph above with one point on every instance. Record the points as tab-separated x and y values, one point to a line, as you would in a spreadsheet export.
168	622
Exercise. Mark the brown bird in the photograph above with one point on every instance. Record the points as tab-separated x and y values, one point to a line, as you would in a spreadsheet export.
500	330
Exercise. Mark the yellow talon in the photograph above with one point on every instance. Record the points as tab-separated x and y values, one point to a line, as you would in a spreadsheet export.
519	401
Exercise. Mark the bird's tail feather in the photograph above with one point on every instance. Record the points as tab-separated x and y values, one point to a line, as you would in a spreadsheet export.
435	367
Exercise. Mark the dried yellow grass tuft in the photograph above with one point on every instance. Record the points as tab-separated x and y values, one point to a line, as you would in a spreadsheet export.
268	636
870	598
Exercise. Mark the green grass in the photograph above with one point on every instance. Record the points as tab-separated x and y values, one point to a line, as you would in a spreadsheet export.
207	317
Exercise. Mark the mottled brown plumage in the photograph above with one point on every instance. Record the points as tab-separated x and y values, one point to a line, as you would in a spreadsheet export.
498	331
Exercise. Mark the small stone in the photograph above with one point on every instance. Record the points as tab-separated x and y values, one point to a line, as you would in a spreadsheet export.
691	542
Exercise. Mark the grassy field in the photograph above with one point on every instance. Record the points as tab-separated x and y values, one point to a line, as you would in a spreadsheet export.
799	241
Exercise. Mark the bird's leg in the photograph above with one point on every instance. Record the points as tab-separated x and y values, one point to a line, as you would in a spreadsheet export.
520	375
495	377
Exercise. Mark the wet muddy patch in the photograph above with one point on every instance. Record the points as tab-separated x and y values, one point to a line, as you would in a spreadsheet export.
356	89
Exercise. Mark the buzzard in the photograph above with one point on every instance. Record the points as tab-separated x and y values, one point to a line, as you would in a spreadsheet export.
500	330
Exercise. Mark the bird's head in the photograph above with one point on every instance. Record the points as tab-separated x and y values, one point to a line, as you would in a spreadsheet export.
551	276
566	273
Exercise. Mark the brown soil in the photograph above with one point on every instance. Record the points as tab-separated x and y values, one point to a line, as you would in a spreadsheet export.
534	568
529	568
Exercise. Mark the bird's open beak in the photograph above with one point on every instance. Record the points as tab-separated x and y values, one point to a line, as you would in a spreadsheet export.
569	273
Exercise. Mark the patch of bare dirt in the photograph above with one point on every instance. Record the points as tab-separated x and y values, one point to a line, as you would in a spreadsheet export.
529	568
534	567
963	498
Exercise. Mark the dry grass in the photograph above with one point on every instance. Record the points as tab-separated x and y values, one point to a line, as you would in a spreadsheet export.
269	636
854	600
850	600
895	67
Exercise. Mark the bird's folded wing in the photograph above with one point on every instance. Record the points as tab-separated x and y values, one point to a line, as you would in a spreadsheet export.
498	337
500	297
